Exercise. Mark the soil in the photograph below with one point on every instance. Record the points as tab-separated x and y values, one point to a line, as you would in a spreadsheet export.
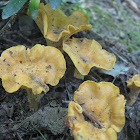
113	31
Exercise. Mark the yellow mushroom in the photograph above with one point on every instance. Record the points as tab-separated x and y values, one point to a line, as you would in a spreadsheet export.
32	68
56	26
134	85
104	107
86	54
85	130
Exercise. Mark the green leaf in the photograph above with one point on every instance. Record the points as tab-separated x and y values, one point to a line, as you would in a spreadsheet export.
55	3
12	8
3	3
33	8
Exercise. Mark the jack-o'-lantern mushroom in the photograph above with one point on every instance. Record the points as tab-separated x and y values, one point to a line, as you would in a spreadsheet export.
31	69
134	85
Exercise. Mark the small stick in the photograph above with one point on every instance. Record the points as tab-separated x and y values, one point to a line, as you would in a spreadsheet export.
92	118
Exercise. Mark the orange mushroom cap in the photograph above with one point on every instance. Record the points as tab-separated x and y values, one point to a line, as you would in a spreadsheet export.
55	25
32	68
134	85
102	105
103	101
84	130
86	54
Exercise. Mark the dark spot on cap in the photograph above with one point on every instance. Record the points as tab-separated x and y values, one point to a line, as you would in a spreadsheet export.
56	32
74	118
8	64
15	75
80	40
67	43
49	67
11	53
82	104
20	62
4	60
83	59
33	78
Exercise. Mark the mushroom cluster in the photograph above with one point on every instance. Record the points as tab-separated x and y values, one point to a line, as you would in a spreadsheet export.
31	69
57	28
97	112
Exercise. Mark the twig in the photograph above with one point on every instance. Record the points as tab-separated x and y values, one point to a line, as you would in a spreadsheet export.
96	75
38	131
115	52
64	134
10	41
24	37
19	137
7	26
92	118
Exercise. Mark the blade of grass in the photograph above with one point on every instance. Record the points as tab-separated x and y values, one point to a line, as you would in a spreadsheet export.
44	138
33	8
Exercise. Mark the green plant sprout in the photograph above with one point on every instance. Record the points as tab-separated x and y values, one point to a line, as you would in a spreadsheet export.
13	6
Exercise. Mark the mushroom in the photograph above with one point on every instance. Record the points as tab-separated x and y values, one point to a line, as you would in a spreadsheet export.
56	26
102	106
83	129
32	69
86	54
134	85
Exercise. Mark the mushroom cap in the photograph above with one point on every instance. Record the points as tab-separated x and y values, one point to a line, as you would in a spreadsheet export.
134	85
32	68
134	81
103	101
55	25
85	130
42	20
86	54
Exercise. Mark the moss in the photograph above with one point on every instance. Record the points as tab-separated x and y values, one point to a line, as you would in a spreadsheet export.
106	23
73	7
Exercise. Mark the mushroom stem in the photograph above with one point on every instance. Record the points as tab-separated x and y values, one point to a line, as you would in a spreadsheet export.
57	45
134	92
93	118
78	75
33	99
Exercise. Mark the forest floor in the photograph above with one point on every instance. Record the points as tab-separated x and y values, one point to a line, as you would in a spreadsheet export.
116	26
